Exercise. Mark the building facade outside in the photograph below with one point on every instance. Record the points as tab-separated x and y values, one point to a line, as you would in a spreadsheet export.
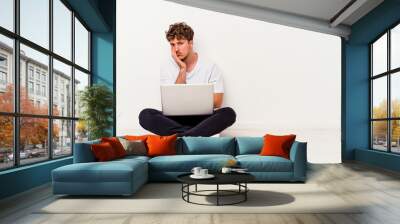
34	99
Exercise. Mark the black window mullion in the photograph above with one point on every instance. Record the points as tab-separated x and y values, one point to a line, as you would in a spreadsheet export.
43	50
16	113
371	141
7	33
389	100
81	69
73	82
388	74
36	116
50	53
50	87
89	54
16	84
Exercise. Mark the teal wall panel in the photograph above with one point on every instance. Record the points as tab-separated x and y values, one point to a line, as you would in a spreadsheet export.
103	63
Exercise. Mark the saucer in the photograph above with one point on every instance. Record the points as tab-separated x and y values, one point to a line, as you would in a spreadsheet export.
240	171
208	176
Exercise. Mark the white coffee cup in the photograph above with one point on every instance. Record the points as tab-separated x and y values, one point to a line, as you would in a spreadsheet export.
226	170
196	170
203	172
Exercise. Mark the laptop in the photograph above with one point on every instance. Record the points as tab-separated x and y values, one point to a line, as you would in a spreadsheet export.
187	99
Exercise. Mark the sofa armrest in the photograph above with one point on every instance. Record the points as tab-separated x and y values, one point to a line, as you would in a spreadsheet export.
83	152
298	155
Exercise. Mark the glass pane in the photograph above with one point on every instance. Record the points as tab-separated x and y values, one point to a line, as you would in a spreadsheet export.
62	29
35	21
379	97
6	142
34	82
395	47
395	136
395	94
81	131
379	55
379	135
81	81
33	139
62	138
7	14
81	45
6	74
62	89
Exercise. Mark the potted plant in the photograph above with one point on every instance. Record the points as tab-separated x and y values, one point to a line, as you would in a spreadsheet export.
96	102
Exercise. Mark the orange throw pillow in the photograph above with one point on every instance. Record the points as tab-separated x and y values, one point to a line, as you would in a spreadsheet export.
161	145
103	152
116	145
277	145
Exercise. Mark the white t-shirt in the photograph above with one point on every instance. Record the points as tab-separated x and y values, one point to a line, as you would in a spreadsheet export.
203	72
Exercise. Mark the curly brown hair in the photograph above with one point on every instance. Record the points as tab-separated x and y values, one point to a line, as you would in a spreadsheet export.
179	31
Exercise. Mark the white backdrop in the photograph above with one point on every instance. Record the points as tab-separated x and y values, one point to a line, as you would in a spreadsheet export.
278	79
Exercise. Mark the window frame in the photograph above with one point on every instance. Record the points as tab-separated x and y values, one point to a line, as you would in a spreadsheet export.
6	61
388	74
3	70
15	72
3	74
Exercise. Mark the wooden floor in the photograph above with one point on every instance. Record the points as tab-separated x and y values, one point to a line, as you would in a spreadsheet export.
377	188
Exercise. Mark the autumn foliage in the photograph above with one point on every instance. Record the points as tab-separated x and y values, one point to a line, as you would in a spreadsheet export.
380	127
33	131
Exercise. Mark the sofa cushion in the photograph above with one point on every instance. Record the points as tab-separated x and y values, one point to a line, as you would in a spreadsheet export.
275	145
133	158
111	171
116	145
83	152
103	152
257	163
136	137
185	163
249	145
161	145
206	145
136	147
142	138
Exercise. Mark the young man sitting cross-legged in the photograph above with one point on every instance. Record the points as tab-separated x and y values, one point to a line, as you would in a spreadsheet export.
187	67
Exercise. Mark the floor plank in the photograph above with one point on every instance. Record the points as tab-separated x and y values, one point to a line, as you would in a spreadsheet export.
377	190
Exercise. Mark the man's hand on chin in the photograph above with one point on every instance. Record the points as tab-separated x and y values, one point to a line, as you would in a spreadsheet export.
181	79
179	62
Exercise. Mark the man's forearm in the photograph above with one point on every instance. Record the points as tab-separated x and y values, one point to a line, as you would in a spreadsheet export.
218	98
181	79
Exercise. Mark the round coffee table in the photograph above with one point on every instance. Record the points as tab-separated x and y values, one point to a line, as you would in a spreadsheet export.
238	179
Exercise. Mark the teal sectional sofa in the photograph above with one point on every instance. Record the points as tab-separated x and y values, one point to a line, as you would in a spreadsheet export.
125	176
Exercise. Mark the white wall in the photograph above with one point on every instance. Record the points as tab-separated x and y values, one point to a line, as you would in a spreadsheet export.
278	79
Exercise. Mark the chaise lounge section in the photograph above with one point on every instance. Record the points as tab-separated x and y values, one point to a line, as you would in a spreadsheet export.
88	177
125	176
